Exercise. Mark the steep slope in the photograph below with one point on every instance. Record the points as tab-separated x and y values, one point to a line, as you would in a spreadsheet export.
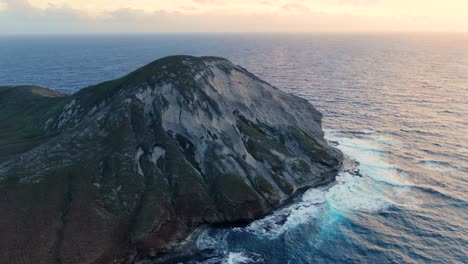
143	160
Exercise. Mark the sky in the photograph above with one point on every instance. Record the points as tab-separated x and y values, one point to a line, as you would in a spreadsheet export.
113	16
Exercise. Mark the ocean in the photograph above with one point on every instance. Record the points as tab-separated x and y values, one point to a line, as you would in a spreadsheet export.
395	103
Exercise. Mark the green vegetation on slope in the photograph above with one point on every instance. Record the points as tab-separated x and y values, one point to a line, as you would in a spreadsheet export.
23	112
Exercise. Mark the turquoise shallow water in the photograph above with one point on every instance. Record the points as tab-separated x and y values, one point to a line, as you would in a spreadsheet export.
398	104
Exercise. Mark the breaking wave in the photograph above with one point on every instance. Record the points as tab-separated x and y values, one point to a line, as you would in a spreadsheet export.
371	185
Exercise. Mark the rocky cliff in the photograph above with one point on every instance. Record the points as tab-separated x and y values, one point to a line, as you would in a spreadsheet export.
141	161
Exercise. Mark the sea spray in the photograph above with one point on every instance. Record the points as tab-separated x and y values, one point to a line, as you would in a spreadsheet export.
368	184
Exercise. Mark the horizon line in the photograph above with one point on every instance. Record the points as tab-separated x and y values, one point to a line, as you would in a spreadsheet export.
230	32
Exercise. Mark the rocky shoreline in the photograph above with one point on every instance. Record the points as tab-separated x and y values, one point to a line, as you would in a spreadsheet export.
187	250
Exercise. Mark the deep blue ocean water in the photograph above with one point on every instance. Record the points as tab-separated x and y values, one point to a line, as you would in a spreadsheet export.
398	104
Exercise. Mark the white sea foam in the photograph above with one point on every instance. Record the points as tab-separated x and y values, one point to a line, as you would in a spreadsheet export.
216	241
371	152
288	217
379	185
354	193
243	258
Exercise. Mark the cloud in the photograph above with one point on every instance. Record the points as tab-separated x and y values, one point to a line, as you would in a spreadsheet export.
210	2
296	7
359	2
19	17
19	4
187	8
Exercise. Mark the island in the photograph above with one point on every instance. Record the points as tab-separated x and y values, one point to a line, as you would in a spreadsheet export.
138	163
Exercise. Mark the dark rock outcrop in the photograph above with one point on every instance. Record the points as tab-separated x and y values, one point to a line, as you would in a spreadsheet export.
141	161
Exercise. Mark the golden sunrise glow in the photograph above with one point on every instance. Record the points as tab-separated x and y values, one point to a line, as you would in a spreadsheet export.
432	8
252	15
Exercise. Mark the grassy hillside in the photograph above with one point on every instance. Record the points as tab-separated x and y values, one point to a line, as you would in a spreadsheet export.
23	113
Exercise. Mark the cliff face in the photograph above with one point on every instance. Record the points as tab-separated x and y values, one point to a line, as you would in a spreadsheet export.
142	160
